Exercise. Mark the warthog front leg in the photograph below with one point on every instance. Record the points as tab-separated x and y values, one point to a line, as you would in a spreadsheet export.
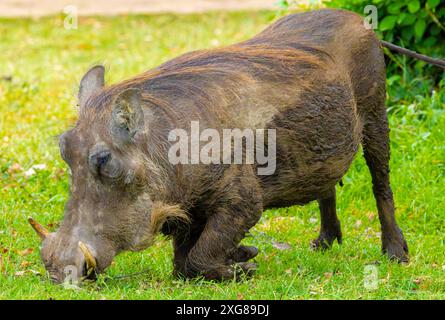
183	242
236	208
182	245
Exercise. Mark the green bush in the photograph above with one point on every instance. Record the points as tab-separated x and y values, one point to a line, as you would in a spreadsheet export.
416	24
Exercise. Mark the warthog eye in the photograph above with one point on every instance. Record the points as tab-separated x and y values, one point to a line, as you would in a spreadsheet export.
103	164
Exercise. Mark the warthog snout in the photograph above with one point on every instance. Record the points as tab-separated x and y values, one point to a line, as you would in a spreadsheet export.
73	263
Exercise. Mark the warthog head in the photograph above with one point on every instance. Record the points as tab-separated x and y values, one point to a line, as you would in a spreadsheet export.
111	206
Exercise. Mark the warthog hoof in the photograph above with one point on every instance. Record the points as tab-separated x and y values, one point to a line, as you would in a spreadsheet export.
237	271
248	269
325	241
395	246
244	253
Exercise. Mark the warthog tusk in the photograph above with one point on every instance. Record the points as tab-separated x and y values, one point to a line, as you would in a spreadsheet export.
89	258
38	228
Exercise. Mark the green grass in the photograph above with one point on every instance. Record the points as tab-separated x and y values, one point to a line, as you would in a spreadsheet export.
46	62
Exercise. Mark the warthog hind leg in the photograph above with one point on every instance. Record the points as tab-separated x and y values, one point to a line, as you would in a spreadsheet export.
376	150
330	225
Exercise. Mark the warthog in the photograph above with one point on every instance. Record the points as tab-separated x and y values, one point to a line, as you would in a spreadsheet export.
316	78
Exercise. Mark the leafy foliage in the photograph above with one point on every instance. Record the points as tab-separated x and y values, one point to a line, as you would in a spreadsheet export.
413	23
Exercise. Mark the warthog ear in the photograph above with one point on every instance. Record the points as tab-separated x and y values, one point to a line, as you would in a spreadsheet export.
127	116
91	82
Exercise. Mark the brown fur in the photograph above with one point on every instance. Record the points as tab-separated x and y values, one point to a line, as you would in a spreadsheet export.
318	78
